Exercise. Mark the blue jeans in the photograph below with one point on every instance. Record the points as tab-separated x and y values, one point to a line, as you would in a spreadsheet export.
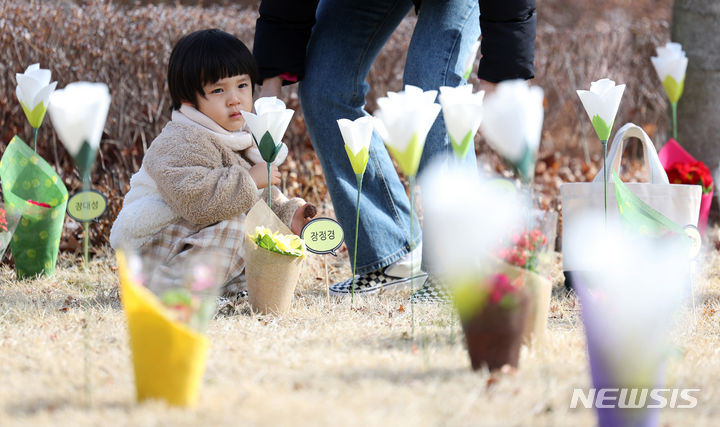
345	41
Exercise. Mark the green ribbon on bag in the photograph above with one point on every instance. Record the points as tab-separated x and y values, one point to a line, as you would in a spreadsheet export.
638	216
27	176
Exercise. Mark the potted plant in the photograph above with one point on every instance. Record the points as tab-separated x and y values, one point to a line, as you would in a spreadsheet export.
273	260
492	311
524	260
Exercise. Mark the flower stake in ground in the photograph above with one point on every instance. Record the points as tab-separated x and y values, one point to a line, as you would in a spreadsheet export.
78	114
405	118
670	65
33	91
357	135
268	126
601	103
462	111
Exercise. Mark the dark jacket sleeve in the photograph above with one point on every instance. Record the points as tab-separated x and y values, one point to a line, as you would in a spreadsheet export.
281	35
508	39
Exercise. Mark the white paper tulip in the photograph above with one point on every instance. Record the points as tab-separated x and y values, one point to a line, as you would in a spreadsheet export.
512	123
601	104
270	118
471	59
462	111
357	135
78	114
404	120
466	216
670	65
33	91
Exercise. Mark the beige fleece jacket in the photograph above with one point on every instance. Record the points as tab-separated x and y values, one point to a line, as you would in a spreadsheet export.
203	180
194	173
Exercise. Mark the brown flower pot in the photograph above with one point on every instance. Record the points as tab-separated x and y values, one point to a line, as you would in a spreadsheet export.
494	335
539	291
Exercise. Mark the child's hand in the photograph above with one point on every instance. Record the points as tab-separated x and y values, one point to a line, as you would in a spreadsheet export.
260	176
302	216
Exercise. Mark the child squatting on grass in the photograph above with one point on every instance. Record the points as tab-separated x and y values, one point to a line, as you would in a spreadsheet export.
203	172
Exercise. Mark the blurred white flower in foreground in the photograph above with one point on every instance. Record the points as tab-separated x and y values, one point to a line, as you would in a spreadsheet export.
466	217
512	123
78	113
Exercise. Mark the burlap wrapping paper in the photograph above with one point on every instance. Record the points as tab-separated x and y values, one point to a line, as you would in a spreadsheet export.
271	277
26	176
168	357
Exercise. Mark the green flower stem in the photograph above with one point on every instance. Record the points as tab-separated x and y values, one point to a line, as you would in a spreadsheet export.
269	187
674	119
86	324
359	179
35	132
604	145
86	229
411	178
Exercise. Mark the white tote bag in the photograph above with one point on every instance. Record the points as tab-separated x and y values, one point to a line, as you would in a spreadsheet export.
679	202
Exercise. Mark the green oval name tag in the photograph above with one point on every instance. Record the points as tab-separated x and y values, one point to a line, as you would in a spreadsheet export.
322	236
86	205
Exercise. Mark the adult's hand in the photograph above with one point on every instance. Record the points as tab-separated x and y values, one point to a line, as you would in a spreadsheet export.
271	87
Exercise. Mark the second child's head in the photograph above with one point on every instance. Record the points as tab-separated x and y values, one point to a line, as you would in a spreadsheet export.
214	72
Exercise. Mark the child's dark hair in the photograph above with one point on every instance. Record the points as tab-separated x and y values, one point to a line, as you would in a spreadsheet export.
203	57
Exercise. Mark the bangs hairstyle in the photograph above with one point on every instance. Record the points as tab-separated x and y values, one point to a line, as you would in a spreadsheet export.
203	57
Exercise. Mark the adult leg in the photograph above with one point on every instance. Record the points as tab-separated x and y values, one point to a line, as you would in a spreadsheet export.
345	41
440	45
439	48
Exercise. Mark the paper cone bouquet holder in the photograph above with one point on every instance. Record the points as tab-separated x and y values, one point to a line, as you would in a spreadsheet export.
32	188
271	276
168	356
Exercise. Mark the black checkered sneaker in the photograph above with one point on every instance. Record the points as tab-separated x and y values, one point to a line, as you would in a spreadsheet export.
432	291
374	282
227	304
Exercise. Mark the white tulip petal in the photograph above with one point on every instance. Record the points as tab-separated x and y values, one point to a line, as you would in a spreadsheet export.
462	110
43	96
270	116
513	117
603	99
405	115
78	113
358	133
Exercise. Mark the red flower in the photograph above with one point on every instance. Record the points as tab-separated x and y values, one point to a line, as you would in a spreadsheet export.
499	287
3	221
523	252
693	173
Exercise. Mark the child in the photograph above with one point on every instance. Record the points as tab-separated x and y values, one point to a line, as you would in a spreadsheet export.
203	172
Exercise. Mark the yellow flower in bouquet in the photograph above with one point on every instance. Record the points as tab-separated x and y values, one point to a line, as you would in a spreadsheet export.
285	244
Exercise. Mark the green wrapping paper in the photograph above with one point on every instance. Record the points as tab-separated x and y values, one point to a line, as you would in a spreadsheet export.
26	176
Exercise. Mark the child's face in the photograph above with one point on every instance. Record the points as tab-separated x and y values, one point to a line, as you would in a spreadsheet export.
224	99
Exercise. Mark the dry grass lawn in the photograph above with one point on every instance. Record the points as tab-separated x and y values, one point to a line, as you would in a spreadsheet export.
324	363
